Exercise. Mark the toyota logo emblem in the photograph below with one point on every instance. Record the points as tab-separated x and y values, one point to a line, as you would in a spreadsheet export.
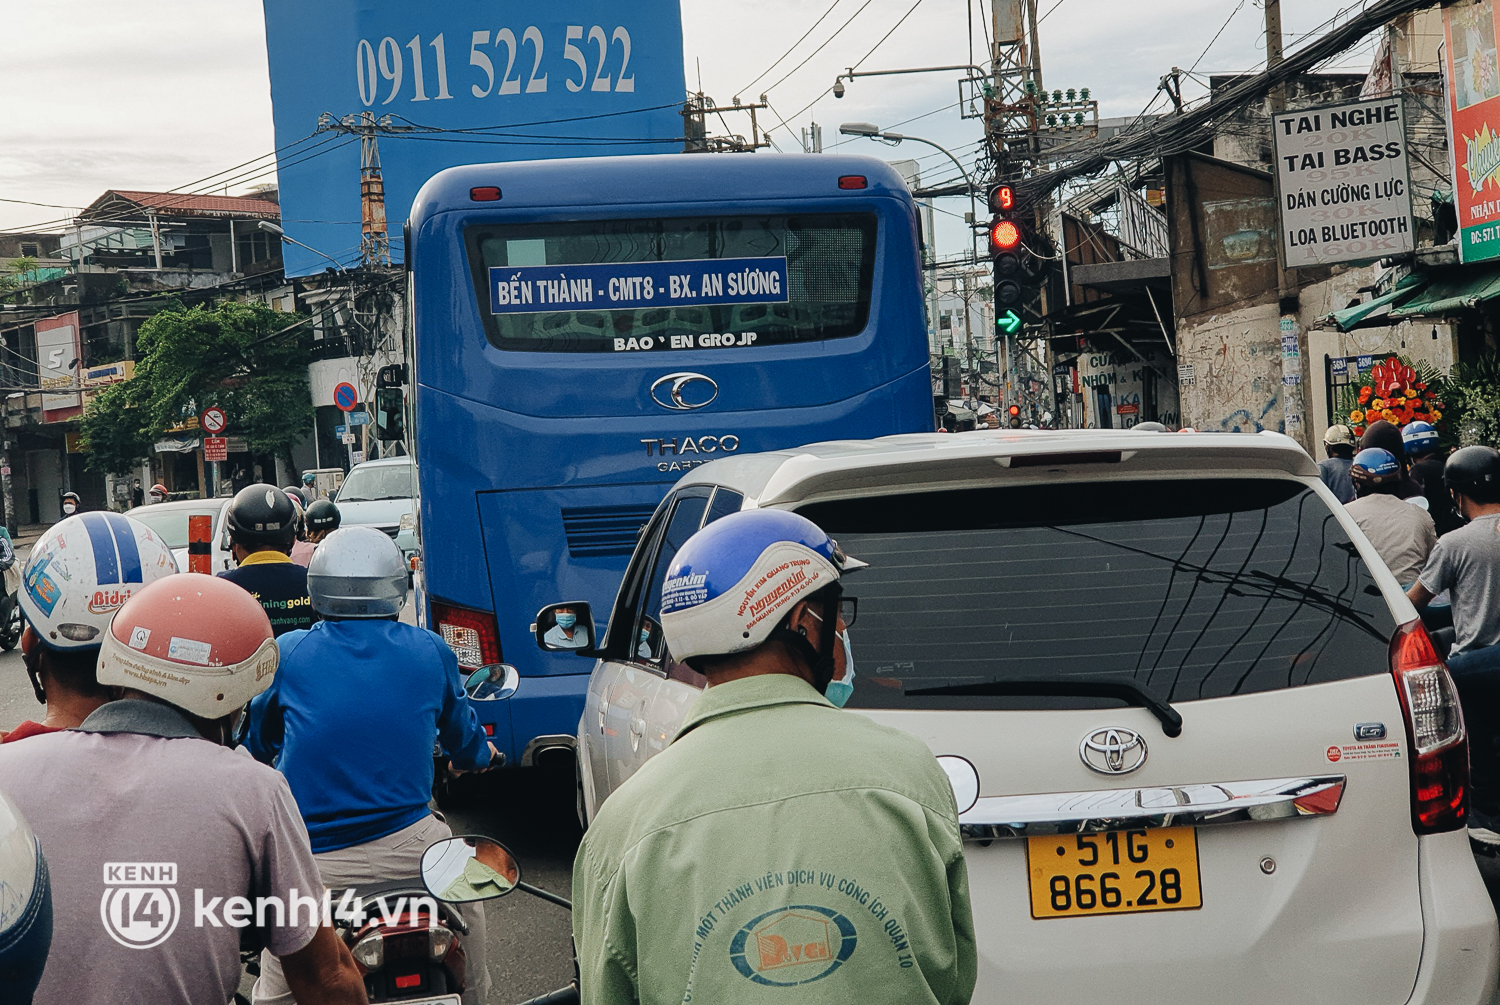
682	392
1113	751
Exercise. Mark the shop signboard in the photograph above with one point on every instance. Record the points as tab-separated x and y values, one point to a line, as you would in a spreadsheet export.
1343	184
1473	89
57	355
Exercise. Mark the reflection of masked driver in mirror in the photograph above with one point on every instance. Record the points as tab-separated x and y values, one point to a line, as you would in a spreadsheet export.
567	633
488	873
644	649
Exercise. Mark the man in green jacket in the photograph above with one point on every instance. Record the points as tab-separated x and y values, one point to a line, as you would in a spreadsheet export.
778	850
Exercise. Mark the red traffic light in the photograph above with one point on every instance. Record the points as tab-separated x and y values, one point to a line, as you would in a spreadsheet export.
1004	235
1014	410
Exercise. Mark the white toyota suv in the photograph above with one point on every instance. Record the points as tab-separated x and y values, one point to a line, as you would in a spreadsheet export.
1203	748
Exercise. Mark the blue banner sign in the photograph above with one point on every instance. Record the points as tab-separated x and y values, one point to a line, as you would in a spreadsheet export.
623	286
461	82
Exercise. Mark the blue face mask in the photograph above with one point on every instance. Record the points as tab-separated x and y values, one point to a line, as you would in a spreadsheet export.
645	635
566	621
838	691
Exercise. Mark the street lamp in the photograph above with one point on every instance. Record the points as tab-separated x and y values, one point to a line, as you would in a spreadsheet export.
271	228
869	130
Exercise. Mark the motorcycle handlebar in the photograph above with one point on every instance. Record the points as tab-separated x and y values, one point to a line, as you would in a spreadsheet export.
564	996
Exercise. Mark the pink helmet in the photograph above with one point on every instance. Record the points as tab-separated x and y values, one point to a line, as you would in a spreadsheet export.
198	642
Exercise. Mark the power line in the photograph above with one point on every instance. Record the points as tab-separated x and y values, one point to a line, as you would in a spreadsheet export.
819	49
866	56
789	51
255	172
1178	133
887	35
539	122
1210	45
46	205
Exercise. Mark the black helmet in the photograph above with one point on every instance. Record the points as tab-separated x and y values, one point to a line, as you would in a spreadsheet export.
261	515
322	515
1474	472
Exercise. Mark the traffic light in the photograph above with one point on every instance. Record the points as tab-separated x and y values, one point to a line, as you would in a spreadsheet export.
1014	412
1005	254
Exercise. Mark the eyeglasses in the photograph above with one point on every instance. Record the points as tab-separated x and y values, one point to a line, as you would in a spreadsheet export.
848	610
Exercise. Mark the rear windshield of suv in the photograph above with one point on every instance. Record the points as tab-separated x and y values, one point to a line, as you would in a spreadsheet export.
1191	589
828	261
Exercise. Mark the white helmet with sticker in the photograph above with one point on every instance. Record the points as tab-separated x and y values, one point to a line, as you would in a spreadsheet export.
82	570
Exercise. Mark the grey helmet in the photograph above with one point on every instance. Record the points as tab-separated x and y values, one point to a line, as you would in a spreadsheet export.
357	572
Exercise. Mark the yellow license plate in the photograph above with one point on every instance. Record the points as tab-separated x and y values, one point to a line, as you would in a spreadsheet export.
1119	872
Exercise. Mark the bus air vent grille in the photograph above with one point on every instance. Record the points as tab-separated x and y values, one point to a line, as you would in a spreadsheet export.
599	531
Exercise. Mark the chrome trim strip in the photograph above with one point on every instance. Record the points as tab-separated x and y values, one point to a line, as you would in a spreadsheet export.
546	742
1200	805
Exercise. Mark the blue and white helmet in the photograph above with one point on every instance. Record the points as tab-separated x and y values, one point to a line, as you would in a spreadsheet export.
82	570
1374	466
735	580
1419	438
25	906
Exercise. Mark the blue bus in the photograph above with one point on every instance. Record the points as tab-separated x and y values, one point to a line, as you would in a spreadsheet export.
583	331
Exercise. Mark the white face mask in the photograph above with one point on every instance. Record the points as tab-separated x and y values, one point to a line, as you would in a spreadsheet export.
69	508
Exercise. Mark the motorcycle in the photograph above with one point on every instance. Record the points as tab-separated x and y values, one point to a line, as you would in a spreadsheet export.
407	954
10	606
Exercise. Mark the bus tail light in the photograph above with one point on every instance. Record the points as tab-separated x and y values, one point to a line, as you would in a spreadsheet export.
485	193
474	636
1434	730
853	181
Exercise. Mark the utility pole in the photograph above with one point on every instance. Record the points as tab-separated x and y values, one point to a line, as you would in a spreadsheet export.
695	112
1290	329
374	241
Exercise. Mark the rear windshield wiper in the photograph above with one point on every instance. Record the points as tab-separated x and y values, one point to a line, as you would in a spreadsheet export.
1122	688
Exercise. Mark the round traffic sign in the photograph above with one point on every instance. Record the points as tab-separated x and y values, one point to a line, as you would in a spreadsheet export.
213	419
345	396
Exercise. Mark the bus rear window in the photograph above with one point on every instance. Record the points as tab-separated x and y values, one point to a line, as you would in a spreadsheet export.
679	283
1192	589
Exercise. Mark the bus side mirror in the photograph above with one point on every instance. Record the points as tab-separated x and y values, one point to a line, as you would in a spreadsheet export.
566	628
390	413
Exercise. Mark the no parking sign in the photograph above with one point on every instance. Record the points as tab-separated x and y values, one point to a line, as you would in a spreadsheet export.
345	396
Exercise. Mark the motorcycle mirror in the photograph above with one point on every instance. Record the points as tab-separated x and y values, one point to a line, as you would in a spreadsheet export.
493	682
461	870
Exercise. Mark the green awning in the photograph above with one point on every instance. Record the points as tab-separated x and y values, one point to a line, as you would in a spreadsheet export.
1377	308
1453	291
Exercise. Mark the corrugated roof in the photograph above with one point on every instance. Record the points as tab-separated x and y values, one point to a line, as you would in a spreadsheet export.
184	204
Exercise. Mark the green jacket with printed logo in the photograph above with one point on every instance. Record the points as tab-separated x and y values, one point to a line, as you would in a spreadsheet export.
780	850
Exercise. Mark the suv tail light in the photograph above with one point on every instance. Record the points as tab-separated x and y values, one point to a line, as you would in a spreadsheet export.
474	636
1434	730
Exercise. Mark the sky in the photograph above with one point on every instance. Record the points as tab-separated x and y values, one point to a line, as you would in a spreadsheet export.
156	94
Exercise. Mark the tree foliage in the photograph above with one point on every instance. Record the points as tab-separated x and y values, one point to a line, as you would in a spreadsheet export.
190	358
1472	391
